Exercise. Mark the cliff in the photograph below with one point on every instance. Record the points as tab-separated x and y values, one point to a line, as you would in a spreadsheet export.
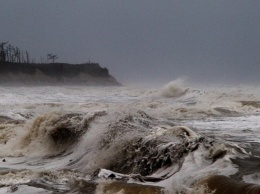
55	74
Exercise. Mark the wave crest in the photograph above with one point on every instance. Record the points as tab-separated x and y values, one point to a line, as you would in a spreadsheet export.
173	89
56	132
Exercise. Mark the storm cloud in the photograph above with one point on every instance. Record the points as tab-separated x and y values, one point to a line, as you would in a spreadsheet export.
142	40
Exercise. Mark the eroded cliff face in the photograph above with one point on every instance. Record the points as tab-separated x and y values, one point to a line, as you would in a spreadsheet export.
55	74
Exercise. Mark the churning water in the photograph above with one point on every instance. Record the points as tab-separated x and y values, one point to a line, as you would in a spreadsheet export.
174	139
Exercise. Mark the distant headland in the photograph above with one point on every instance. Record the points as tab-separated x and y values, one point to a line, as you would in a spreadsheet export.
90	74
16	68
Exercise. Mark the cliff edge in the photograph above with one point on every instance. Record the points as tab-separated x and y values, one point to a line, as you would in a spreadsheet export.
55	74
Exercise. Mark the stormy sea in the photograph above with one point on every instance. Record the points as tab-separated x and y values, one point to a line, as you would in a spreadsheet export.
177	138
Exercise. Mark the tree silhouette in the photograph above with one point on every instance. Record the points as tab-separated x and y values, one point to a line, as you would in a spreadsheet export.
9	53
3	51
27	57
52	57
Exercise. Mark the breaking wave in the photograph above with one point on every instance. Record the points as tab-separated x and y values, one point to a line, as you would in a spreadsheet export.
140	149
53	133
174	89
190	141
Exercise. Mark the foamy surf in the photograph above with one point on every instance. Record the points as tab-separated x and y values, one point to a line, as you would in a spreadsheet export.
129	140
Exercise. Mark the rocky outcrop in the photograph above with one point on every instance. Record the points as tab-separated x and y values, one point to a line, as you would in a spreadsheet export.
55	74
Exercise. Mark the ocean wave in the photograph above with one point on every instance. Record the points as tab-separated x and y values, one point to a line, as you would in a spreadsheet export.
156	152
223	184
52	133
137	142
173	89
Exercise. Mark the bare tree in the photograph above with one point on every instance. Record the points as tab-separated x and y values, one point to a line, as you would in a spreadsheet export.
9	53
17	55
9	50
22	58
2	51
52	57
27	57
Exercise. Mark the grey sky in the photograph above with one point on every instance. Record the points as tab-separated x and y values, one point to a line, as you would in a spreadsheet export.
202	40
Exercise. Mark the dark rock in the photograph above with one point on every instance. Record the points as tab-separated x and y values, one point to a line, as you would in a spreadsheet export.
112	176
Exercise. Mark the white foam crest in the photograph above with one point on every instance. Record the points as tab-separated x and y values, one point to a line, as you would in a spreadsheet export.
210	109
197	166
252	178
96	156
181	101
24	189
47	134
174	89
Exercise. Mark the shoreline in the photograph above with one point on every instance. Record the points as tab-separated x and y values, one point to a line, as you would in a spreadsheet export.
55	74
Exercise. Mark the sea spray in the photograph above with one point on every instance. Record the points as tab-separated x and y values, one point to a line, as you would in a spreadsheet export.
167	142
55	132
174	89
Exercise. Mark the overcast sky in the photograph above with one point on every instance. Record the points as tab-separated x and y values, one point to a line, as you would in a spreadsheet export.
138	40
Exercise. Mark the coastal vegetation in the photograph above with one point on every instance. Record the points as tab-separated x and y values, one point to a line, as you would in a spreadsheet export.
18	68
13	54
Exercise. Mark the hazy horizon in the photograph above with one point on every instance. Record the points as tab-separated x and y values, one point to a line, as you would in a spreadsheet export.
142	41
